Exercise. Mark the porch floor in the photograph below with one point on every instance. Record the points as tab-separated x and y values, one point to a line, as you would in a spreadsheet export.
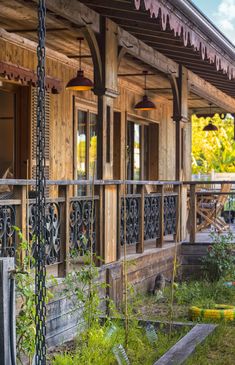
204	236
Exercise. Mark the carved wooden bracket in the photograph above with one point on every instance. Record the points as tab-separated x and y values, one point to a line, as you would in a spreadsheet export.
28	77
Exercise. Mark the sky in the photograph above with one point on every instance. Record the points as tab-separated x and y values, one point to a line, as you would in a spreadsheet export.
222	14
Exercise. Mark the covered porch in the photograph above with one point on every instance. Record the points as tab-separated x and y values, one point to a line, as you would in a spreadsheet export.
137	159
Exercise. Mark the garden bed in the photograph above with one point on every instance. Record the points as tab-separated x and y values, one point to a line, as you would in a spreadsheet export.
172	348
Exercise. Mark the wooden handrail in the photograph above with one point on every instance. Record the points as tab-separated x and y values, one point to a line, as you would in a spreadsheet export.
206	182
88	182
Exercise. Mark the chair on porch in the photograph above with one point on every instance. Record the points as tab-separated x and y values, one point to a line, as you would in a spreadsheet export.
210	206
5	190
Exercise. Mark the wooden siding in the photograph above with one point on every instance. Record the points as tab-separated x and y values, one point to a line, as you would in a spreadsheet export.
61	114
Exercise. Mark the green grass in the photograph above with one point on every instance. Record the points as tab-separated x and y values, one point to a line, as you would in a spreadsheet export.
200	293
218	349
93	347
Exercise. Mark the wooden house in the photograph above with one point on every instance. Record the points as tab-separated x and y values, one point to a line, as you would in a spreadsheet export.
138	159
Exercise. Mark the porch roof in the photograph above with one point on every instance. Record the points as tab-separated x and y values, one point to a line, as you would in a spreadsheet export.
180	31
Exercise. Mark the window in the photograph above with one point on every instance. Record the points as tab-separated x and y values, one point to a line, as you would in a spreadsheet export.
137	151
133	151
85	146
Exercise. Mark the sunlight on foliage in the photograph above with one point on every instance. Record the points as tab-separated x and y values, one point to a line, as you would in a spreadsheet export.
213	150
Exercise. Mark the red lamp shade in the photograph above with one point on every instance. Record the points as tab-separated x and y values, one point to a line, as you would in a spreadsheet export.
145	104
80	83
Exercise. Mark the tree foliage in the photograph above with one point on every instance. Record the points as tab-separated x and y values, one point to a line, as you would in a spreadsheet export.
213	150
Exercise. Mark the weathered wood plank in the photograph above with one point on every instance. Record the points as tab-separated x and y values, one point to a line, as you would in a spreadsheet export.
186	346
203	88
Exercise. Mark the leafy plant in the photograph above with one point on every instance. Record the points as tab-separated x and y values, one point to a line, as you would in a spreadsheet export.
25	319
219	260
83	287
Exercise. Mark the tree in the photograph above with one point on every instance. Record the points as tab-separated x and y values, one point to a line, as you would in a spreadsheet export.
213	150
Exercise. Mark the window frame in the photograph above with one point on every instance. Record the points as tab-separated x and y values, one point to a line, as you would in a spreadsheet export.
89	108
144	160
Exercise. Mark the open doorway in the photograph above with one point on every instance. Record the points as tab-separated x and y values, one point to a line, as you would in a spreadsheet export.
14	131
7	134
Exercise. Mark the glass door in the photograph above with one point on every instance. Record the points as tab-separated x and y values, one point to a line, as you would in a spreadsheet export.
86	148
133	158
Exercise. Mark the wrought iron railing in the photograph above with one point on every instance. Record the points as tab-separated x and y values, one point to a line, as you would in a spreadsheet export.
7	232
170	214
149	216
83	225
52	229
152	216
75	224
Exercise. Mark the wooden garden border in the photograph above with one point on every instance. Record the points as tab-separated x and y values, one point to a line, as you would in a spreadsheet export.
178	353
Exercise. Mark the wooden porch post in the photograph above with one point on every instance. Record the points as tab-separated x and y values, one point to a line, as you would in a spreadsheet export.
63	269
119	206
21	215
160	240
177	189
180	116
192	213
140	244
106	91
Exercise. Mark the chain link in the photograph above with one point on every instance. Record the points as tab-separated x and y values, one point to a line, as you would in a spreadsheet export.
40	269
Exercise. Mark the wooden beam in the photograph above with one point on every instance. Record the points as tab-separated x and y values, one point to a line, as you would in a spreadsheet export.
124	6
209	92
146	53
34	30
32	46
74	11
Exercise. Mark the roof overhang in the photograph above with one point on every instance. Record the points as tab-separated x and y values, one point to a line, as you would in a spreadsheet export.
177	29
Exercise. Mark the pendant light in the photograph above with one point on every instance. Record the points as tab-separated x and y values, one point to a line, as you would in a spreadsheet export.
210	127
145	103
80	82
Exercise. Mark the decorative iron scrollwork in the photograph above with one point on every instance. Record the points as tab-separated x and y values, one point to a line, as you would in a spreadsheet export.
170	202
52	232
82	227
7	232
130	213
151	217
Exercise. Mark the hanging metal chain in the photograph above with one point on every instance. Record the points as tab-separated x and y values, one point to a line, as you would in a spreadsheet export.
40	269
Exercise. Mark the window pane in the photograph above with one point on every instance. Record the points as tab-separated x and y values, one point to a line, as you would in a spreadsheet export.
81	145
136	152
93	146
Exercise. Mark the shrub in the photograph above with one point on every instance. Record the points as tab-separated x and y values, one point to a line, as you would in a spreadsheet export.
219	261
